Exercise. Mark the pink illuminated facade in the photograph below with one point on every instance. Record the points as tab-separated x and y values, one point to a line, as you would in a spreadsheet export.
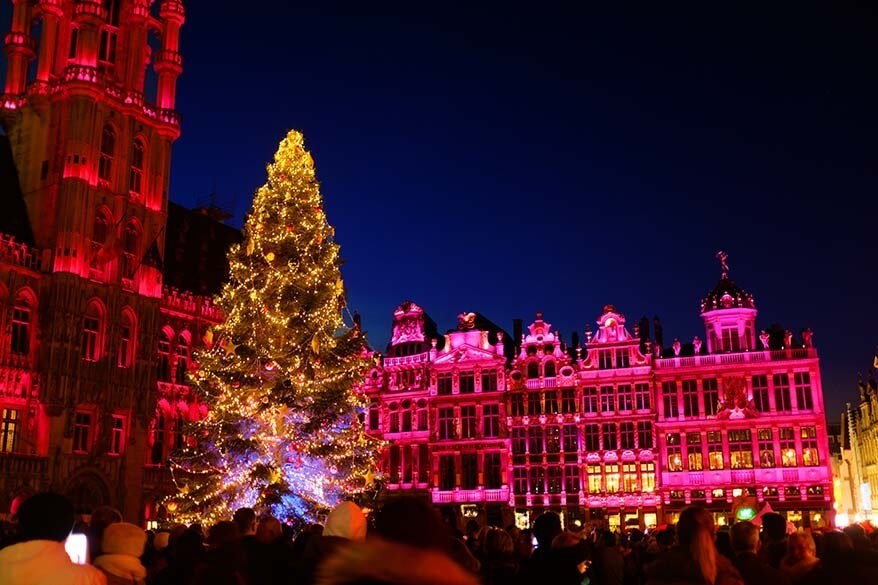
102	295
622	429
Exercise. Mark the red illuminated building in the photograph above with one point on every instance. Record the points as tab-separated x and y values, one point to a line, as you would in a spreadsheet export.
104	285
624	429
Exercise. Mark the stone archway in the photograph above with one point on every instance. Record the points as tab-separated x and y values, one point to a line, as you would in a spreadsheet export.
87	491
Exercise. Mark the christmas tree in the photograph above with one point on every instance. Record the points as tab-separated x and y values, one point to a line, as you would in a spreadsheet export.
283	433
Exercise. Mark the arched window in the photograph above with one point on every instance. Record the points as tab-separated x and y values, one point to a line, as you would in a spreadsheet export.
22	314
93	332
164	348
108	149
100	234
135	175
130	249
112	8
182	355
533	370
549	369
127	338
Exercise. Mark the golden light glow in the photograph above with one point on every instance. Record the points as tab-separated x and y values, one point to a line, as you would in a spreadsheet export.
283	433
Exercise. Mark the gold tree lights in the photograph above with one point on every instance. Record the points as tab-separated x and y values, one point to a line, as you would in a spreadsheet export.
283	432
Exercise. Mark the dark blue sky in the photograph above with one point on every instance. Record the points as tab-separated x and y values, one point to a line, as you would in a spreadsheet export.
507	160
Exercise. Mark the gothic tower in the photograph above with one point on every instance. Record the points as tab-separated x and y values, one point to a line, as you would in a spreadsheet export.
88	108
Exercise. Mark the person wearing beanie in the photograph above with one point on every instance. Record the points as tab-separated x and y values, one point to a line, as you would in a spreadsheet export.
123	545
346	521
44	523
345	524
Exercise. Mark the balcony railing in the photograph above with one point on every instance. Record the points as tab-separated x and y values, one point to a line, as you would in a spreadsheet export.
746	357
19	254
458	496
19	466
418	358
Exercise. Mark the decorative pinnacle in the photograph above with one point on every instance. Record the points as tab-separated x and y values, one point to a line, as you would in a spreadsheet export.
722	257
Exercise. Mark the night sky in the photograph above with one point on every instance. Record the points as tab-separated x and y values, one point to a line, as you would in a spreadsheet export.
507	161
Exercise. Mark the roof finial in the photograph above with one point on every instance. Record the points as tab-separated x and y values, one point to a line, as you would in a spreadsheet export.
722	257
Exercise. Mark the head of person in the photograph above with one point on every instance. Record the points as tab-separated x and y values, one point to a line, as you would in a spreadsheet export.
222	534
546	527
472	528
245	519
46	516
608	539
774	527
269	530
856	533
801	547
836	544
695	532
745	537
411	521
665	538
122	538
498	543
103	516
346	520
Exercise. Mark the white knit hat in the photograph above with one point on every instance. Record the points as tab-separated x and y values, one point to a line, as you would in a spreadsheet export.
123	538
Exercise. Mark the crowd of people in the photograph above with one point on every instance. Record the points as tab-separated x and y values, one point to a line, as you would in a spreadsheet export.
406	542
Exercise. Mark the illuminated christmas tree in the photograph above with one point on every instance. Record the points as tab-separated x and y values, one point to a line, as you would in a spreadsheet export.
283	432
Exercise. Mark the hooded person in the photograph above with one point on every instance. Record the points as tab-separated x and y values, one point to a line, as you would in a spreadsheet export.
123	545
44	523
345	523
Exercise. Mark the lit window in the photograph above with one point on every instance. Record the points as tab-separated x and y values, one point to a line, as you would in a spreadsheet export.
595	479
693	451
740	449
553	439
82	432
611	477
810	454
788	456
117	435
647	477
766	448
9	430
629	478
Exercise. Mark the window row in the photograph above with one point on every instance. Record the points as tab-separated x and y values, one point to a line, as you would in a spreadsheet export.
85	431
605	478
742	449
466	382
472	422
566	438
465	474
694	402
606	400
108	157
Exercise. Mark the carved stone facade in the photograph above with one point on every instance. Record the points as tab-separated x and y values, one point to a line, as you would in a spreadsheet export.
622	430
861	434
94	346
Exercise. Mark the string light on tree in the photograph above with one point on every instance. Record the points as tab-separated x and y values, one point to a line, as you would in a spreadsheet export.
284	432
